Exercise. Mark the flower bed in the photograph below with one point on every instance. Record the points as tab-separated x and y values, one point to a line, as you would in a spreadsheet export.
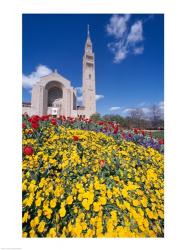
79	183
138	136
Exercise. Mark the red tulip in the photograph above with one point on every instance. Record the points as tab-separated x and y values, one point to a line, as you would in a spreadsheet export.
136	131
34	119
115	131
143	132
34	125
129	135
23	125
28	150
102	163
101	123
53	121
75	138
161	141
44	118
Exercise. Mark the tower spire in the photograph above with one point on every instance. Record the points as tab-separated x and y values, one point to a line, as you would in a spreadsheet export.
88	82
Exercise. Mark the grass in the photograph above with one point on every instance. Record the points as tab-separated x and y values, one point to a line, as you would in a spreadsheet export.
158	134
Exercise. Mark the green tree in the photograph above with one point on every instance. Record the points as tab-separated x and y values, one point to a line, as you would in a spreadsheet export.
115	118
96	117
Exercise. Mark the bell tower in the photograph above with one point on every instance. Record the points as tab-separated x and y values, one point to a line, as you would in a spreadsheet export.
88	84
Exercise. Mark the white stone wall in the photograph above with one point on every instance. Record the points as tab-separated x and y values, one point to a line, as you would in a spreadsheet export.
39	102
80	112
27	110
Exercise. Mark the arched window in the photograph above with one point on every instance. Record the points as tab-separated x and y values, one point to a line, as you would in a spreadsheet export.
53	94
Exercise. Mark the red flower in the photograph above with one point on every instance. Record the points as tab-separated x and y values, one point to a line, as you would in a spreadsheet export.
44	118
102	163
34	119
129	135
143	132
100	123
75	138
136	131
28	150
115	131
53	121
23	125
161	141
34	125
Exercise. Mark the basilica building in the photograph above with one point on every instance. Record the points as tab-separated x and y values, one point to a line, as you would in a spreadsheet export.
53	94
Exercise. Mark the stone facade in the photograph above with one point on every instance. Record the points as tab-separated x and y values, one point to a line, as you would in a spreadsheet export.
55	93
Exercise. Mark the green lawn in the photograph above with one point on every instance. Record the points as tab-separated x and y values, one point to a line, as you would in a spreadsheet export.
158	134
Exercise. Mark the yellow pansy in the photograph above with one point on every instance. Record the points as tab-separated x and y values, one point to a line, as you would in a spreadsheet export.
52	233
96	206
41	226
86	204
62	211
136	203
69	200
53	203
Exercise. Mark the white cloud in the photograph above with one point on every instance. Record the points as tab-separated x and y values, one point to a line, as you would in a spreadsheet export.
127	110
138	51
79	90
43	70
29	80
146	110
114	108
127	39
161	105
118	25
136	33
98	97
120	55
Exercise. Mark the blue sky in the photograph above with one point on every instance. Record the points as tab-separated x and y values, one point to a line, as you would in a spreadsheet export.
129	53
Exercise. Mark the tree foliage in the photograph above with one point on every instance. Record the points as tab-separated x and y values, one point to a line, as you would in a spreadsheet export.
137	118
